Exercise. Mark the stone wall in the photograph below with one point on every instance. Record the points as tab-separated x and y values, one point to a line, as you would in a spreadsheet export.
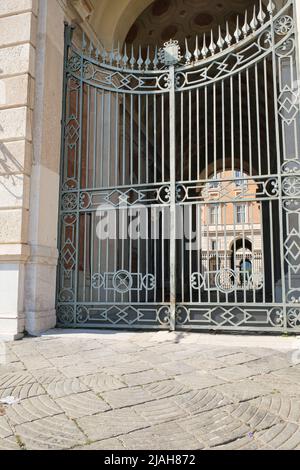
31	70
18	27
40	273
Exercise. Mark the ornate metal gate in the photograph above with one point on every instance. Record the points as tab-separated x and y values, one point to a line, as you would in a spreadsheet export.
180	182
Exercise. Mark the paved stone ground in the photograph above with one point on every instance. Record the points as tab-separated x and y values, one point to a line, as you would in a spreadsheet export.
121	390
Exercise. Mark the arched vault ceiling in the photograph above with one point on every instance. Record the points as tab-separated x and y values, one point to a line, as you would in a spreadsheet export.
180	19
155	21
112	19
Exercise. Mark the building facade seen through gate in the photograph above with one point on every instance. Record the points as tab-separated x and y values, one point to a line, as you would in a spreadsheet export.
180	181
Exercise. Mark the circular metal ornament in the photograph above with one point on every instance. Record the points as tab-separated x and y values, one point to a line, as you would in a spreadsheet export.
283	25
69	202
291	186
294	317
122	282
65	314
74	63
226	280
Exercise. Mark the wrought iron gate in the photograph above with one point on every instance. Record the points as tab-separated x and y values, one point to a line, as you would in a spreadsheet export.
180	184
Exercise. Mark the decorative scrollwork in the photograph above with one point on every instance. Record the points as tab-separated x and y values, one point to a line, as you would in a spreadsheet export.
294	296
149	282
197	281
65	314
286	48
256	281
74	63
70	184
164	194
69	219
97	281
181	193
283	25
66	295
163	315
291	166
182	315
293	317
164	82
276	317
82	314
272	187
265	39
88	71
84	201
292	205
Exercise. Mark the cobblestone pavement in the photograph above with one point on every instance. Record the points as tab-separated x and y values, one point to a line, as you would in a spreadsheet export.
121	390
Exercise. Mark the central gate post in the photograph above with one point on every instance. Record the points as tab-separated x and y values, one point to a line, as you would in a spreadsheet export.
172	199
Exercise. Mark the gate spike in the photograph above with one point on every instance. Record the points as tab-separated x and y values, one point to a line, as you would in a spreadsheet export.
118	55
212	46
147	61
155	60
132	60
84	43
197	52
188	55
246	27
271	7
254	22
140	59
220	42
238	32
112	55
125	56
90	50
104	55
261	14
204	50
228	37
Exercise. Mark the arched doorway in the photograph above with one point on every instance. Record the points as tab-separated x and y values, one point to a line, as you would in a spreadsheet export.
148	132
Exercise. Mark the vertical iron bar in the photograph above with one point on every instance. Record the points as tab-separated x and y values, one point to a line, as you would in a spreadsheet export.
278	155
249	123
172	125
68	34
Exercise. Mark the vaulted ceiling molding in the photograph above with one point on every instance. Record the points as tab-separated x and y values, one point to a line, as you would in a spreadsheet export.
80	12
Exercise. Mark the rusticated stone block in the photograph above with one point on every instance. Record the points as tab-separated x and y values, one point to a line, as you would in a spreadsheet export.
17	28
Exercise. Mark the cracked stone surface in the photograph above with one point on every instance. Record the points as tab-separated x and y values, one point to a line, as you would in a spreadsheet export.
150	390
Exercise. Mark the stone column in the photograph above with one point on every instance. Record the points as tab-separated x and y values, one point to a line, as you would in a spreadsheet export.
40	272
18	20
31	74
